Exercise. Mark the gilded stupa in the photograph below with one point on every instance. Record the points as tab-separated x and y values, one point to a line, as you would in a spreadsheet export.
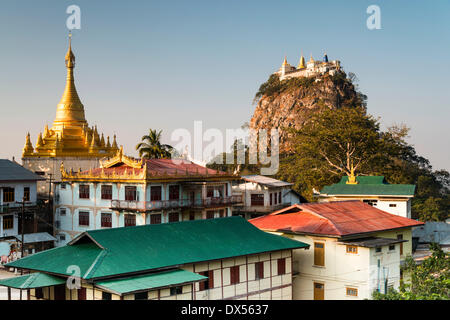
70	135
70	140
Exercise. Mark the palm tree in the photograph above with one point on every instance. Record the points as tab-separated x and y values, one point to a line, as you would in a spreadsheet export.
151	147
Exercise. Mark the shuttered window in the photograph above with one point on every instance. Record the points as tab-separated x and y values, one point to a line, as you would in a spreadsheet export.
281	266
84	191
8	194
319	254
130	193
259	270
130	220
155	193
83	218
106	192
234	274
155	219
208	283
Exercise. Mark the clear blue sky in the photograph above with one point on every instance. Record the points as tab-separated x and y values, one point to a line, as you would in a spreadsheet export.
148	64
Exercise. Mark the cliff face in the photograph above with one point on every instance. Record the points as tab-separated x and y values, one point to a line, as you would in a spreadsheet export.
291	102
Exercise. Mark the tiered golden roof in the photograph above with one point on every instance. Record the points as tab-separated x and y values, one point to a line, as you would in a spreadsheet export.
70	135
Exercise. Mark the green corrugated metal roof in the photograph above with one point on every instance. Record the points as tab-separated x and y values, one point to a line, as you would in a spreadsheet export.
33	280
149	281
368	185
140	248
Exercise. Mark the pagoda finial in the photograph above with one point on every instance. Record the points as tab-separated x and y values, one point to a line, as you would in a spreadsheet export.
285	61
28	148
301	64
352	177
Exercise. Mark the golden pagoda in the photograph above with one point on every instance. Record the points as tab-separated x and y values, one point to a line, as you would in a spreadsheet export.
70	135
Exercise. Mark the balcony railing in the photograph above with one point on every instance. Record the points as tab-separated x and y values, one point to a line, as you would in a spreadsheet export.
171	204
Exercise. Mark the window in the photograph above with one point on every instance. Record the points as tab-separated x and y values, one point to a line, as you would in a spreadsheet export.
106	191
279	197
209	214
174	217
400	237
319	257
38	293
281	266
106	220
174	192
8	222
83	218
62	237
257	199
26	194
234	274
378	249
259	270
62	211
352	292
270	199
392	247
208	283
210	192
155	218
82	293
63	186
221	213
191	215
141	296
130	193
106	296
392	205
176	290
373	203
130	220
84	191
8	194
155	193
319	291
352	249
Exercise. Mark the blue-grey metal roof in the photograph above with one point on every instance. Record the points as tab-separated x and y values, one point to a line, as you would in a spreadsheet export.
12	171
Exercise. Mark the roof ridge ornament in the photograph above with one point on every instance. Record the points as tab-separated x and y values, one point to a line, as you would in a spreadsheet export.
352	177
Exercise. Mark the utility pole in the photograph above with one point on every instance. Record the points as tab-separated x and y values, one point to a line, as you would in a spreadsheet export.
50	207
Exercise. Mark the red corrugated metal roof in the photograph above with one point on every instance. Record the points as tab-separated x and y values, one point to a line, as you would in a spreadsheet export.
157	167
339	218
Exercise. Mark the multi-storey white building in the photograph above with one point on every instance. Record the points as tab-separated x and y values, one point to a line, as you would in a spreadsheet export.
262	195
128	192
17	184
356	248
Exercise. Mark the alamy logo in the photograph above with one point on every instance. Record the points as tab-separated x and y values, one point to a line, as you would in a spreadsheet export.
374	20
74	20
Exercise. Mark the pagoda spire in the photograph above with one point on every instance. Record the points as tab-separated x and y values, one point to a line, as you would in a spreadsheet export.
70	110
301	64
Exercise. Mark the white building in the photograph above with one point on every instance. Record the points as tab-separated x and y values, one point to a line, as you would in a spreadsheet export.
356	249
262	195
17	184
129	192
374	190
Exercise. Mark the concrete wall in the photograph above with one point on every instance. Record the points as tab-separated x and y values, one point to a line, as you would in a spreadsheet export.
398	206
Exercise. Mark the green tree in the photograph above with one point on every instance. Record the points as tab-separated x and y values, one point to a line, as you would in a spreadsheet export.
428	280
333	141
152	148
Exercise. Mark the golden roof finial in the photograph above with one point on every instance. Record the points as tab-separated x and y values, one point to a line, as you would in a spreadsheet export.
39	142
285	61
352	177
70	109
28	148
311	59
301	64
114	145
